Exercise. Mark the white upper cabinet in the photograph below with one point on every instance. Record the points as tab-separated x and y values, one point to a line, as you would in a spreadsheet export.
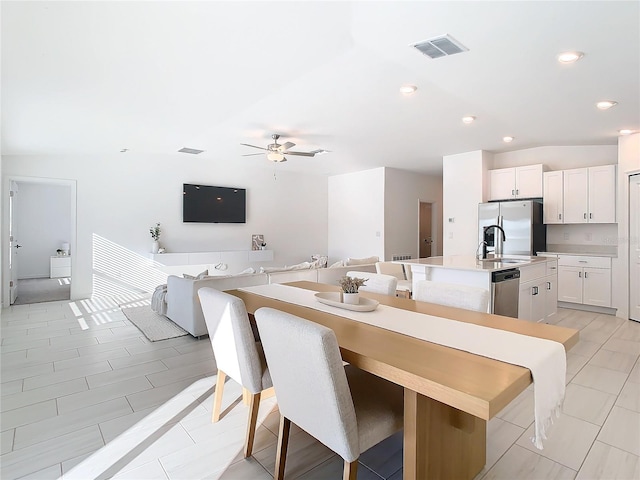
590	195
580	195
516	182
576	197
602	194
552	197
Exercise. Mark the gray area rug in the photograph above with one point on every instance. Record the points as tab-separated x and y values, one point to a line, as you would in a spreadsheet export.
36	290
155	327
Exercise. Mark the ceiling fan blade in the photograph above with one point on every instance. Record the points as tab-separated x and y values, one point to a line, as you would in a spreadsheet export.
286	146
302	154
253	146
251	154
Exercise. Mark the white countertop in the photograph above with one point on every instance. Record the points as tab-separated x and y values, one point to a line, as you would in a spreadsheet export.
471	263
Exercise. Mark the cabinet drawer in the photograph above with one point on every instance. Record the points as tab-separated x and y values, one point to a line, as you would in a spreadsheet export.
552	267
583	261
60	261
531	272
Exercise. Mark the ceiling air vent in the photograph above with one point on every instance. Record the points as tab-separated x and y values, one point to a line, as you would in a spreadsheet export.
192	151
440	46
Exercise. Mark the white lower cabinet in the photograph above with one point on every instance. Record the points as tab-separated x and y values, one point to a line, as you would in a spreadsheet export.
60	266
538	298
584	280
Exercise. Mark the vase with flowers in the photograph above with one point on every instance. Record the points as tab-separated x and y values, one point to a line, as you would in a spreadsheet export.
350	286
155	234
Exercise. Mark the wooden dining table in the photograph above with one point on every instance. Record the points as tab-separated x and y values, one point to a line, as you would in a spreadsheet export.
449	394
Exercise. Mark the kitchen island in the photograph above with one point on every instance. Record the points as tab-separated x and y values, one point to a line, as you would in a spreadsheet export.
537	295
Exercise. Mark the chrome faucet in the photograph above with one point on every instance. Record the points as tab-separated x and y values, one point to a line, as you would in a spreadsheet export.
484	243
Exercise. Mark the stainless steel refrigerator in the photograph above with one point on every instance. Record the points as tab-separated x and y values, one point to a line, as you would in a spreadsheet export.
522	223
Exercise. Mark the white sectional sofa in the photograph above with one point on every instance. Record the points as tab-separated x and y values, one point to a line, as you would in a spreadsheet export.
183	304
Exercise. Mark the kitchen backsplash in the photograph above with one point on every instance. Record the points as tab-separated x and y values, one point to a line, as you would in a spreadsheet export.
586	234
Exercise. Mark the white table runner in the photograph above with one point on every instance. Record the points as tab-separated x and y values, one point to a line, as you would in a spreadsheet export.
545	358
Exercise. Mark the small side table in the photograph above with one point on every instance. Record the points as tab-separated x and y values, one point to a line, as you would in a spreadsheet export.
60	266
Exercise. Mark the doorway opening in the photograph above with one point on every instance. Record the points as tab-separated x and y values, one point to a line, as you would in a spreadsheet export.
41	221
426	234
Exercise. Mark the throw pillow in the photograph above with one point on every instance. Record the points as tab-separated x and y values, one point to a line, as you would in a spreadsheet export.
339	263
200	276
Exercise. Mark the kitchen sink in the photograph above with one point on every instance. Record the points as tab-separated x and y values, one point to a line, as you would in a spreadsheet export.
503	260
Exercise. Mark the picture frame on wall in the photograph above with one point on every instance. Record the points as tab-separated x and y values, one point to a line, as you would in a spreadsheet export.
256	241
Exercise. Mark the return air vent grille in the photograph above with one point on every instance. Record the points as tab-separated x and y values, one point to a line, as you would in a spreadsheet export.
440	46
192	151
396	257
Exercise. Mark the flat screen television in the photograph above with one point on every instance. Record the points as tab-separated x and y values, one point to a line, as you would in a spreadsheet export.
210	204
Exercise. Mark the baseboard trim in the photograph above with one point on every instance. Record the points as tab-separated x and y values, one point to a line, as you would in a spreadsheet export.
588	308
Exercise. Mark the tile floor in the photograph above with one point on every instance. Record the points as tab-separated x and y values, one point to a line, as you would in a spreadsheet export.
85	395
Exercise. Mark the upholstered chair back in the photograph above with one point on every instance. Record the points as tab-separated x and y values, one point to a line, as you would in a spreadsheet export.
309	379
461	296
234	346
377	282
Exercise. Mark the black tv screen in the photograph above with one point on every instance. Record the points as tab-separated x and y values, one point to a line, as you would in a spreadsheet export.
209	204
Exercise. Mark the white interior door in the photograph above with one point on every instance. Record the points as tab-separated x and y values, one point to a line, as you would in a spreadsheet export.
13	244
634	247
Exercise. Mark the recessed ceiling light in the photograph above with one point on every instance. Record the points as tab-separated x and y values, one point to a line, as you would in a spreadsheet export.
468	119
570	57
625	131
507	139
408	89
606	104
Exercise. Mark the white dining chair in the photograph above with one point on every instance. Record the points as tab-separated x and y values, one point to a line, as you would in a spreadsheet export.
237	353
452	295
343	407
397	270
377	282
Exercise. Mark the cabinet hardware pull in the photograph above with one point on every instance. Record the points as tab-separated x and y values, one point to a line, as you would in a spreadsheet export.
580	274
513	193
585	216
585	274
559	216
548	285
517	192
582	261
591	215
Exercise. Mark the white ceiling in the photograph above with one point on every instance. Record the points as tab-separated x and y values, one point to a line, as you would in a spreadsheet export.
153	77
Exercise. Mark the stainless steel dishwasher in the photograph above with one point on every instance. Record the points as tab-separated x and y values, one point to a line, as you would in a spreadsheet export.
505	288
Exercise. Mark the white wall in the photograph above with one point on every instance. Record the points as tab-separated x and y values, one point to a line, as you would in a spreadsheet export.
403	193
356	215
559	157
464	179
628	162
43	223
120	196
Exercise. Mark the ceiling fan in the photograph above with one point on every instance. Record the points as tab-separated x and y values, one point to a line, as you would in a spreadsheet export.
276	152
